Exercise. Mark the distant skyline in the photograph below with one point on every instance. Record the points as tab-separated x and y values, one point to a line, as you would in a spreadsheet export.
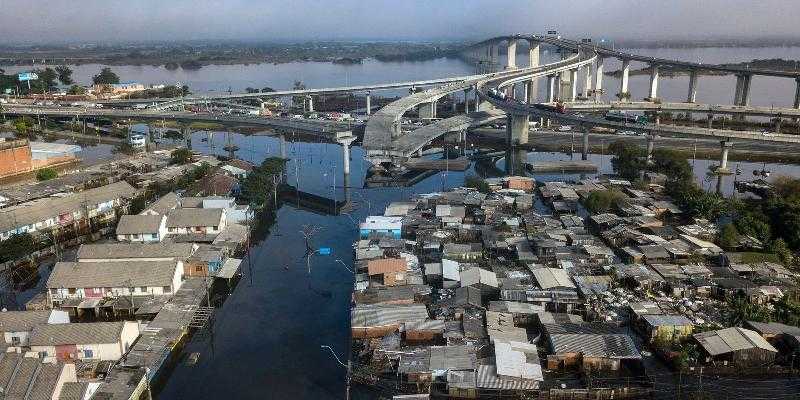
106	21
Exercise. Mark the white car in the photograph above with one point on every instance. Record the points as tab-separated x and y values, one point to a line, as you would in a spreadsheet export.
565	128
626	133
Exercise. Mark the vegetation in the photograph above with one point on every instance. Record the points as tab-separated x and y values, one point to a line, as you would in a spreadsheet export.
17	246
46	174
180	156
64	74
257	188
729	237
602	200
22	126
105	77
166	91
472	181
76	90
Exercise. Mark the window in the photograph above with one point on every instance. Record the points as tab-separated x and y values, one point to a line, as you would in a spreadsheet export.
143	289
215	227
15	341
198	268
153	236
87	353
53	291
172	229
71	290
166	289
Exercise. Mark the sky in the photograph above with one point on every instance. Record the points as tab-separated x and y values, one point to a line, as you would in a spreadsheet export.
42	21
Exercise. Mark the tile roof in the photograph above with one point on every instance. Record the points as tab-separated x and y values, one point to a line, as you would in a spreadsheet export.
184	218
163	205
136	224
78	333
115	274
384	265
20	321
51	207
135	250
73	390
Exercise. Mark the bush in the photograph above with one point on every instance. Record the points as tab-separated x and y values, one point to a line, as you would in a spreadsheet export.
45	174
180	156
477	183
601	201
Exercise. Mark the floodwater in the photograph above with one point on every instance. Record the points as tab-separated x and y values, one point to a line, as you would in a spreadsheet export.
265	338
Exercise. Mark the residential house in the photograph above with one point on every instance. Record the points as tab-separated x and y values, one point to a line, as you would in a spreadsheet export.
735	346
484	280
95	341
589	346
666	327
206	261
235	172
17	325
204	221
381	226
97	280
113	252
30	377
388	271
43	215
162	206
234	213
142	228
462	251
378	320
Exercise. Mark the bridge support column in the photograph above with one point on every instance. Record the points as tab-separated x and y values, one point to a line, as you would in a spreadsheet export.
517	129
530	94
737	95
346	142
624	95
495	57
723	161
587	85
710	120
651	145
778	123
369	104
454	106
745	98
511	54
466	101
551	88
653	83
598	71
797	93
427	110
692	96
585	145
308	104
283	146
573	85
533	54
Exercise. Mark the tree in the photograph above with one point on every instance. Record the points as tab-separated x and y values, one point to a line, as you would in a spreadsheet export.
729	237
46	174
601	201
755	225
780	248
181	156
21	126
64	74
185	90
267	89
47	79
17	246
251	90
105	77
627	161
472	181
76	90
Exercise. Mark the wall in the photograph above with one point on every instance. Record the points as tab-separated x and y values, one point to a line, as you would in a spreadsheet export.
15	157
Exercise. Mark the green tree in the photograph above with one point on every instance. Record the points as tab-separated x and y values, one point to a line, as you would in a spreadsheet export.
105	77
251	90
17	246
755	225
181	156
627	161
472	181
21	126
779	247
64	74
46	174
76	90
258	185
729	237
601	201
47	79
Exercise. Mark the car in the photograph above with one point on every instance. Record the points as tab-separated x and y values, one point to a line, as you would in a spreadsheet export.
626	133
565	128
766	133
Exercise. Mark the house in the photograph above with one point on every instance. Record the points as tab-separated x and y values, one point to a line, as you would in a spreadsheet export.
589	346
28	376
43	215
463	251
206	261
207	221
100	341
389	271
378	320
666	327
480	278
735	346
113	252
142	228
550	278
234	171
234	213
17	325
97	280
783	337
517	360
219	184
382	226
162	206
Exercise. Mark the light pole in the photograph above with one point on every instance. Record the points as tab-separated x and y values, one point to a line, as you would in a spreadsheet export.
348	366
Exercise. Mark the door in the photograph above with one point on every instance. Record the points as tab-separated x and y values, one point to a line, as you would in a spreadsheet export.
66	352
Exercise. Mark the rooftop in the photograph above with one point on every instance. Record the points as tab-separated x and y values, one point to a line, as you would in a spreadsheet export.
109	275
78	333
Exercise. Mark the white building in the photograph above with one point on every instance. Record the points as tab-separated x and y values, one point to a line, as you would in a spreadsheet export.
142	228
98	280
235	172
234	213
209	221
99	341
17	325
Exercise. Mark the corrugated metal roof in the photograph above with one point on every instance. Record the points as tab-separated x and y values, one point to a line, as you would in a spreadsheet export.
487	378
366	316
549	278
473	276
618	346
667	320
446	358
732	339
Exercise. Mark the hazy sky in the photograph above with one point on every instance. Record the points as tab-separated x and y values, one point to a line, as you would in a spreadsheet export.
114	20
